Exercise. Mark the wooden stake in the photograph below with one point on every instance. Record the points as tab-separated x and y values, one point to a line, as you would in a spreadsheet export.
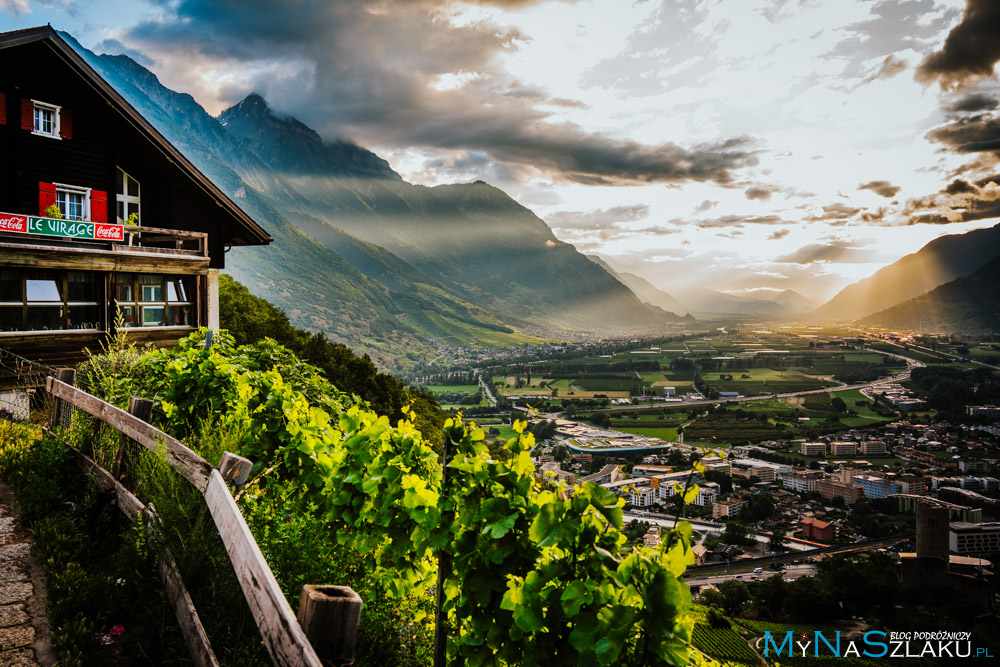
67	375
235	469
329	615
140	408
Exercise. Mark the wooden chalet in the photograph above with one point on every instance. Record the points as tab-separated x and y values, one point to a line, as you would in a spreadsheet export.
79	163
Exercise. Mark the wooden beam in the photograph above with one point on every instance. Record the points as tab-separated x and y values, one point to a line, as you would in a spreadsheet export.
283	636
129	505
149	260
182	459
199	646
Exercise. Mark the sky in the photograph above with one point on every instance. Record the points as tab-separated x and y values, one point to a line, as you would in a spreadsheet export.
749	146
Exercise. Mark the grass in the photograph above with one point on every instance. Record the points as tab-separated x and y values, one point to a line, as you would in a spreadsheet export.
662	433
453	388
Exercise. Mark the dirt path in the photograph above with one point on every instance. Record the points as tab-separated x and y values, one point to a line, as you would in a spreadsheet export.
24	629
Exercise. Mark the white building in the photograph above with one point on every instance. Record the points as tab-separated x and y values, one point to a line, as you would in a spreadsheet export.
642	496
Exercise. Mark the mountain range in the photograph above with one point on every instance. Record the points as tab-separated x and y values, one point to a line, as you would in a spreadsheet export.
394	269
969	303
941	261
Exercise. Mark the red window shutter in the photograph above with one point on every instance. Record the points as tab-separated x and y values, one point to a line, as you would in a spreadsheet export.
46	196
27	115
98	206
65	124
3	109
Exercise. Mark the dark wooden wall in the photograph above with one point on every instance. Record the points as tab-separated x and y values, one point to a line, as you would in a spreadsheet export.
102	140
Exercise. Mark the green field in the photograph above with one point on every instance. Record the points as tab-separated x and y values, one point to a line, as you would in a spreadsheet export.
723	644
453	388
666	433
605	384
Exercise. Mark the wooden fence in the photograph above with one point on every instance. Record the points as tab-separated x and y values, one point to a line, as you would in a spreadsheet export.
281	631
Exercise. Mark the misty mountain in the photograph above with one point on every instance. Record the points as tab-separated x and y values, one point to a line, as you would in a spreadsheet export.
472	240
966	304
642	288
711	301
390	268
794	301
941	261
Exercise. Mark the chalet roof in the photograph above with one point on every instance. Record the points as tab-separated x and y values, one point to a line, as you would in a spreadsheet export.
253	234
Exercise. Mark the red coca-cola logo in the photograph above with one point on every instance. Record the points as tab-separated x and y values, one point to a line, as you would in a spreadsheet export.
109	232
13	223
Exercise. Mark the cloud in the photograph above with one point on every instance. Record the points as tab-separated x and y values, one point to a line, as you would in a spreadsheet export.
890	67
705	205
881	188
15	7
835	251
974	134
597	219
372	72
779	234
836	211
740	220
959	201
973	102
970	50
114	47
761	192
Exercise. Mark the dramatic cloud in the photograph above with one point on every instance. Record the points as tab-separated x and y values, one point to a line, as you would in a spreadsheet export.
971	49
975	134
973	103
832	251
959	201
406	73
881	188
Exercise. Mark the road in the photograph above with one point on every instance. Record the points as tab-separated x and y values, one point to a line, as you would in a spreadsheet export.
487	391
791	573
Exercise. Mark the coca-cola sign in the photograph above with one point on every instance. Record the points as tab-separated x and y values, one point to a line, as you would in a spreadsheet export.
10	222
105	232
74	229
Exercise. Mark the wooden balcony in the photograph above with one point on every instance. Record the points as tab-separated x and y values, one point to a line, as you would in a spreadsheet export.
145	249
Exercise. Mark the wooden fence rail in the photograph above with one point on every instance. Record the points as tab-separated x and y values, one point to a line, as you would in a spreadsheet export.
283	636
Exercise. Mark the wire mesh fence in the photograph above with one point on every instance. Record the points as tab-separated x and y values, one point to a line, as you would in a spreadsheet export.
22	388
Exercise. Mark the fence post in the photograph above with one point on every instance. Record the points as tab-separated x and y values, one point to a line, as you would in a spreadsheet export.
235	469
137	407
67	375
329	615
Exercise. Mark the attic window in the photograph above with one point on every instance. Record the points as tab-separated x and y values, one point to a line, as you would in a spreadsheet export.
46	119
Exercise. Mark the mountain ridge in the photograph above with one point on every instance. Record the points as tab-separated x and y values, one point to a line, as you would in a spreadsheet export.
382	275
940	261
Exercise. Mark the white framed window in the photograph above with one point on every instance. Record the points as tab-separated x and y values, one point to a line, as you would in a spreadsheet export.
46	120
127	196
153	300
73	201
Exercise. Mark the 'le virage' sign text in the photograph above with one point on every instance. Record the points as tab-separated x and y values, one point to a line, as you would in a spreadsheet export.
74	229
